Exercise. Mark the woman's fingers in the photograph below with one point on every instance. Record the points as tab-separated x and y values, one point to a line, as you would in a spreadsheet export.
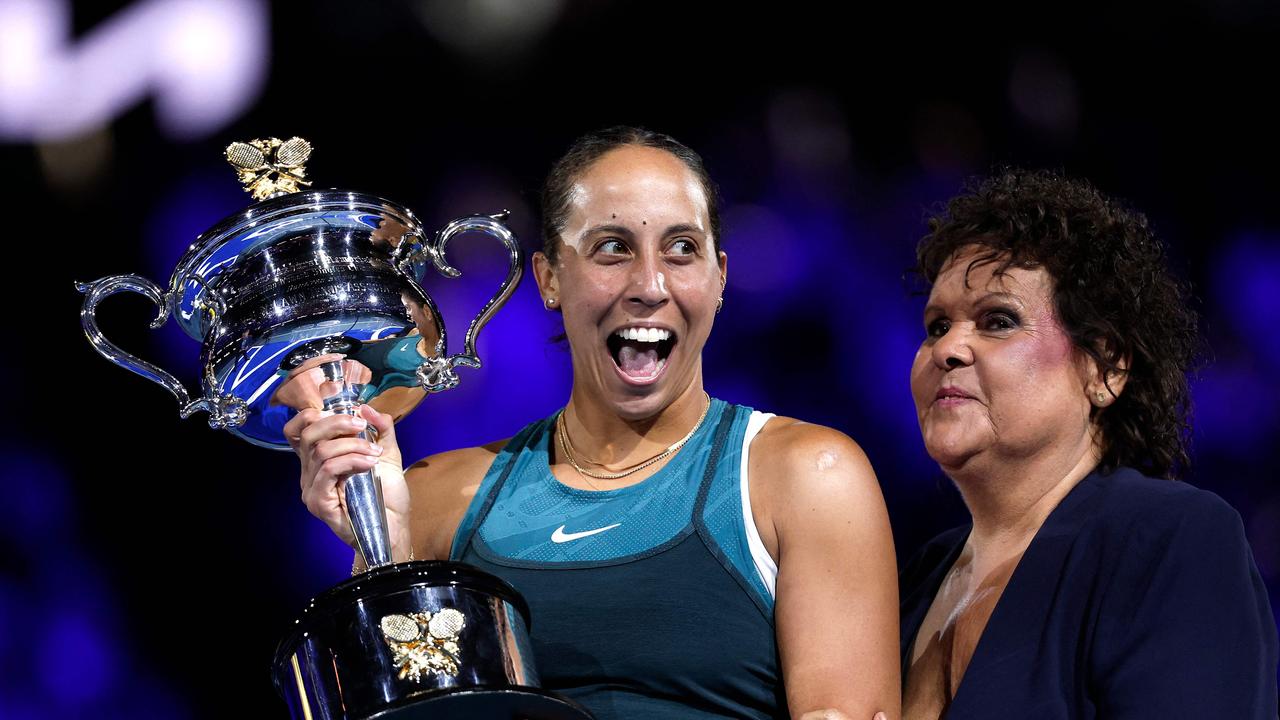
293	429
327	449
331	449
335	456
334	470
384	426
330	427
382	422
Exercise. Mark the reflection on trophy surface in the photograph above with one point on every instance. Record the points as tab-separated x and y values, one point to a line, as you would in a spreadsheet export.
313	299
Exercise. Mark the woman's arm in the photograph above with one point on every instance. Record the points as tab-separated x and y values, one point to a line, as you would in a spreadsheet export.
822	517
441	488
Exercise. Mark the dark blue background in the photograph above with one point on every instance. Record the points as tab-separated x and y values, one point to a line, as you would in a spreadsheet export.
149	565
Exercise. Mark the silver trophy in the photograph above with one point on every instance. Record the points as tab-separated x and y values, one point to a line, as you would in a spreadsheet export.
327	284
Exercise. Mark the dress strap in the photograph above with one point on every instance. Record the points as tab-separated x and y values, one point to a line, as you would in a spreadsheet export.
719	519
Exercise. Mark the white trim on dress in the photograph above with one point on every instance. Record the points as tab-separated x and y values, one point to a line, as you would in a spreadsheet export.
765	566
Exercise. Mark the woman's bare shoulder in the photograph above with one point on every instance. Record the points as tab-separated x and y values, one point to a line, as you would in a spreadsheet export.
454	465
796	464
786	445
441	488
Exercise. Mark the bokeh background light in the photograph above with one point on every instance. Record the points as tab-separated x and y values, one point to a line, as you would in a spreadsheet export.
149	565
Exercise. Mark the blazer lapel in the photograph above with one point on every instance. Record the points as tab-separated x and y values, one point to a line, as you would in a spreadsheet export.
1011	655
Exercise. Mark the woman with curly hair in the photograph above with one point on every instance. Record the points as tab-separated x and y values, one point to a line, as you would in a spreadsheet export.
1051	388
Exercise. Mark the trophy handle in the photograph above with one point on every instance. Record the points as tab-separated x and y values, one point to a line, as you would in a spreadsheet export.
436	373
224	411
491	225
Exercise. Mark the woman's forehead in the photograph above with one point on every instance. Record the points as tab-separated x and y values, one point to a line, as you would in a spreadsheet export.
638	180
978	271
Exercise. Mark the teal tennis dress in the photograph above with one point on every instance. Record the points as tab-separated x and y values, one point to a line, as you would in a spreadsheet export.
647	601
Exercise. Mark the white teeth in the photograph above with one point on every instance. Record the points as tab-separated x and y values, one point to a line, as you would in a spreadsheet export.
648	335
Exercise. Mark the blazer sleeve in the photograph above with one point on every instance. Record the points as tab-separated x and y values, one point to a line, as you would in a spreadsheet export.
1185	629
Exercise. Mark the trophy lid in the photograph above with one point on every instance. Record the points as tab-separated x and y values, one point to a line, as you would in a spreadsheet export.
271	171
301	272
296	267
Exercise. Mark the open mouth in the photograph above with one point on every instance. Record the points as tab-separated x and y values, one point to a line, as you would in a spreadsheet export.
641	353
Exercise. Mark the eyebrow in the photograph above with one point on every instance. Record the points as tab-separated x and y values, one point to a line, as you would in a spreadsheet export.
1004	296
610	228
615	229
683	228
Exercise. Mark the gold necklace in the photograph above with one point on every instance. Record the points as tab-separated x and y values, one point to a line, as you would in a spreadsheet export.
567	448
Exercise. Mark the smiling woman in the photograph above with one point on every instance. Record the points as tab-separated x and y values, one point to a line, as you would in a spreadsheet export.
1052	371
682	557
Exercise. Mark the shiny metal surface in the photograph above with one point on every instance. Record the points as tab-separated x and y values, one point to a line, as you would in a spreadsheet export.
366	510
224	410
298	268
338	663
493	225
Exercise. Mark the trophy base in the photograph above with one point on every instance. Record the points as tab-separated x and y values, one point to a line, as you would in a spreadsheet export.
505	704
415	640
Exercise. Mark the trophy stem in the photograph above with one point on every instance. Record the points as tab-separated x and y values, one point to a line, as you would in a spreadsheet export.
366	510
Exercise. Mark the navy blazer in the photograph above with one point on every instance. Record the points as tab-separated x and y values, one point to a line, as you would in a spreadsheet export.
1137	598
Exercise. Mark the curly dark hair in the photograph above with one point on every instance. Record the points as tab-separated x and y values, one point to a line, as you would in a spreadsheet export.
558	187
1113	293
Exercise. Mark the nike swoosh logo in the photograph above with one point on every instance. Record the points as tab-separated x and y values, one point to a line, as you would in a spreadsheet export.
560	535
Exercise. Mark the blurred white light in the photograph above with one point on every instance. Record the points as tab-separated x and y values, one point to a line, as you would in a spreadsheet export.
202	62
489	31
28	30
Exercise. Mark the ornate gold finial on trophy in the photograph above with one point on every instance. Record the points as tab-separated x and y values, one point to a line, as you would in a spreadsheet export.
270	167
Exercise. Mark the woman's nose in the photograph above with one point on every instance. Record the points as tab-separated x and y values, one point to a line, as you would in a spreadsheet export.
953	350
648	282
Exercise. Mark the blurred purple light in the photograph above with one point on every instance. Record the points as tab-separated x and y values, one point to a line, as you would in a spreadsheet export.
1235	396
764	252
77	659
39	507
1235	409
1246	286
